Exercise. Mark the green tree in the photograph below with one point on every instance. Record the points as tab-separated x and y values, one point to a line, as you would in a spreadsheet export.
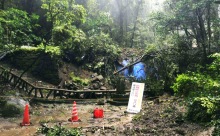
192	19
17	27
97	20
60	12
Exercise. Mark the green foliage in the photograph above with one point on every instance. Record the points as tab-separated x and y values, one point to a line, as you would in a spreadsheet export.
59	131
119	83
11	110
102	44
100	48
180	19
2	103
97	20
216	131
79	80
16	27
161	65
41	64
28	48
63	34
214	67
154	87
69	38
184	85
203	109
202	91
137	117
196	84
52	50
63	13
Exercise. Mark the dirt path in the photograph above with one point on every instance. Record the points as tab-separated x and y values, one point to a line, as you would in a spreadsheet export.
159	117
52	114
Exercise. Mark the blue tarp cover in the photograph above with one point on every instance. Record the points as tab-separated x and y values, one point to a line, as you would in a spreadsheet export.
138	70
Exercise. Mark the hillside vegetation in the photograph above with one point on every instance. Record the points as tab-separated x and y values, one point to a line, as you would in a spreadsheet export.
61	40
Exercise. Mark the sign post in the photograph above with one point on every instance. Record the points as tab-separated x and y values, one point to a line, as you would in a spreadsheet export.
136	96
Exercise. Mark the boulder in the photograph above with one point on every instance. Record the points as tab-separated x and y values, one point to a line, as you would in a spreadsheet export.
103	88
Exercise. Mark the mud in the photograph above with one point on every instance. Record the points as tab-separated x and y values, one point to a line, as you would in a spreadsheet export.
163	116
52	114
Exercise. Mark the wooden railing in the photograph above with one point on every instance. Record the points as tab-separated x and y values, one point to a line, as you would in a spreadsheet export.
48	93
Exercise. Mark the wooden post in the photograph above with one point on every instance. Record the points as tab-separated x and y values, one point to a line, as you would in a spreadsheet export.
35	93
49	93
41	94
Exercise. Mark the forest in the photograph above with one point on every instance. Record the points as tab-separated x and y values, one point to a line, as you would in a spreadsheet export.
177	40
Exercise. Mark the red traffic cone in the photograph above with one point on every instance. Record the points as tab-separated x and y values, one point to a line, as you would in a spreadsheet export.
74	117
26	120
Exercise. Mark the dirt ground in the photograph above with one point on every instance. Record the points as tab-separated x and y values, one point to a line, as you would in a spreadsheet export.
162	116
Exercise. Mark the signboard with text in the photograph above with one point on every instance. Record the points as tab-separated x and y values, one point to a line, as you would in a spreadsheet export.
136	96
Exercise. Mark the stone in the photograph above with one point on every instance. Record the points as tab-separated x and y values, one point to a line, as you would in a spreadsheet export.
94	75
95	86
103	88
97	78
85	88
101	83
100	77
17	101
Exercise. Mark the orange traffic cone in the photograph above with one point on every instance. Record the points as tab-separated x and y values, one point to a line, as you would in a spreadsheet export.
26	120
74	117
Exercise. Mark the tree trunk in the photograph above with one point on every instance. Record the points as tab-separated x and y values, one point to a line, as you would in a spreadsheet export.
135	24
216	32
209	27
126	25
29	4
121	21
2	4
202	35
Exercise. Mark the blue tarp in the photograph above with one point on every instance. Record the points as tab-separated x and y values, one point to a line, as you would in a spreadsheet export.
126	72
138	70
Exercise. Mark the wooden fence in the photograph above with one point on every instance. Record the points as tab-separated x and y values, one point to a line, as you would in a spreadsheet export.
48	93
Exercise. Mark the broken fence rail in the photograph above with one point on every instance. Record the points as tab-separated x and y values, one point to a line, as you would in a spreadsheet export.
43	92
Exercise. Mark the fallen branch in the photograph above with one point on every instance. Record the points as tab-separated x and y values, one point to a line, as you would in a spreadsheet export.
136	61
127	67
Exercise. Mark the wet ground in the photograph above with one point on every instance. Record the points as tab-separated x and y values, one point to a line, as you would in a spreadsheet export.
162	116
52	114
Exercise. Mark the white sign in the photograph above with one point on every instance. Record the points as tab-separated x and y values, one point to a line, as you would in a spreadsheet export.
135	99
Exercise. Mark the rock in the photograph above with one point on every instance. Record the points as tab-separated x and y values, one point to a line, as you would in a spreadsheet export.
18	102
103	88
94	75
97	78
85	88
100	77
95	86
71	85
101	83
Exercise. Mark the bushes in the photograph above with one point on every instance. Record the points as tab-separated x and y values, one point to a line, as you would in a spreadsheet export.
154	87
196	84
59	131
9	110
216	131
201	90
78	80
203	109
